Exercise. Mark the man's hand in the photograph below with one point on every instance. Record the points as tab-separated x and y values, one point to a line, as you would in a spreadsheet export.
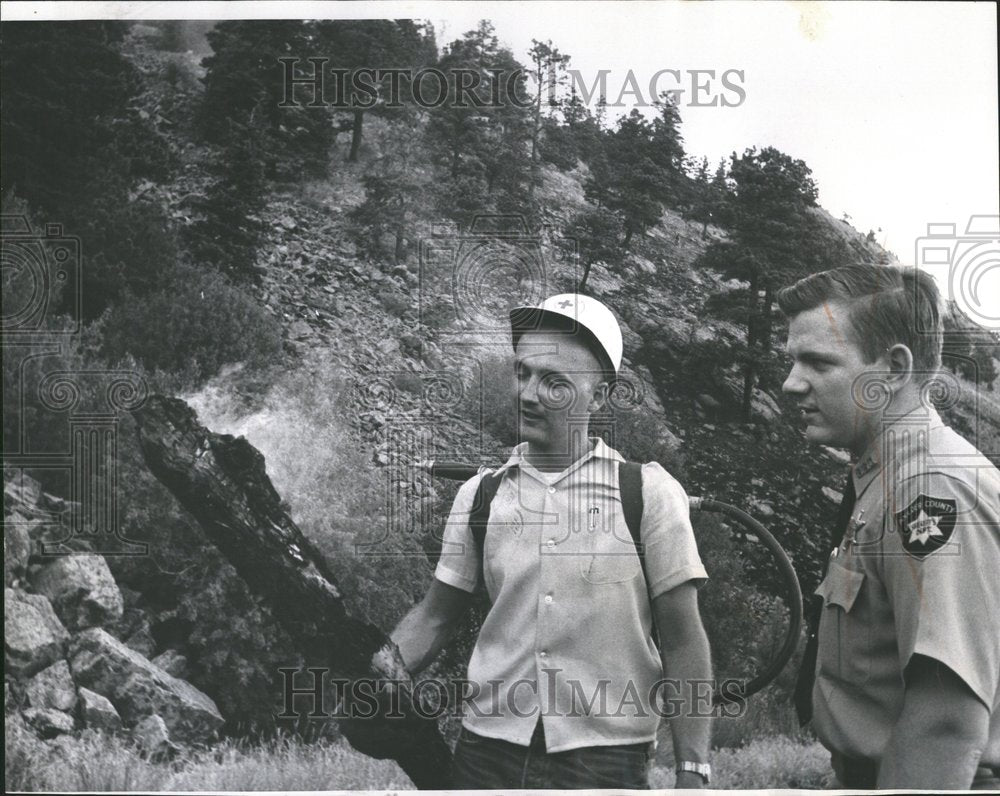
940	734
380	714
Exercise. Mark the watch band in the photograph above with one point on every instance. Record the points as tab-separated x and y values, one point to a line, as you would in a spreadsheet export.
704	770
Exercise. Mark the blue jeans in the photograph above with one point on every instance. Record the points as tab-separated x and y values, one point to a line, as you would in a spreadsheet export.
481	762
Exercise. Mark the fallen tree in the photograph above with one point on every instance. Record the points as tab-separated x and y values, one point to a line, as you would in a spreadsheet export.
221	481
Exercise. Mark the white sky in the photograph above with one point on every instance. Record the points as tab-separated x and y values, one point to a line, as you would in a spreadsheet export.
892	105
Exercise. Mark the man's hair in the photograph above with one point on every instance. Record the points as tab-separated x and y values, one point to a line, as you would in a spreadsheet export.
886	305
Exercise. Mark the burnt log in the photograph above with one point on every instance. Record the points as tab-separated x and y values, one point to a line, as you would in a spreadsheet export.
221	481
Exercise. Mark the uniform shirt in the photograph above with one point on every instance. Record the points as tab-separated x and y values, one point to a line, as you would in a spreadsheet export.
569	628
916	574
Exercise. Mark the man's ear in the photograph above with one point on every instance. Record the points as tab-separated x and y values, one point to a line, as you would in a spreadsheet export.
900	361
598	397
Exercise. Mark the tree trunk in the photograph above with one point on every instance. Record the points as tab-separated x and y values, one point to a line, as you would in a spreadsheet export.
586	275
221	481
767	319
400	253
359	120
749	371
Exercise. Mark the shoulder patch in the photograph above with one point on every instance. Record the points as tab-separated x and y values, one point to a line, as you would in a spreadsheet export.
926	525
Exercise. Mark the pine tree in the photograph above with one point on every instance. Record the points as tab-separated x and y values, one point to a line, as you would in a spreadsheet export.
480	146
245	88
775	240
379	44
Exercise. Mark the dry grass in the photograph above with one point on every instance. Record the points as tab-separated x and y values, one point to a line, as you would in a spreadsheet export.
102	763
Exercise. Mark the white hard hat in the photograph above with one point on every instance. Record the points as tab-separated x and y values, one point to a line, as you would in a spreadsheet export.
572	312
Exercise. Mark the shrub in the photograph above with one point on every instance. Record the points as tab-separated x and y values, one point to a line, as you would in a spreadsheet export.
196	323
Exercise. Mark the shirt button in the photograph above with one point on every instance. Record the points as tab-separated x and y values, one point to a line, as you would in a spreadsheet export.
552	490
551	543
548	598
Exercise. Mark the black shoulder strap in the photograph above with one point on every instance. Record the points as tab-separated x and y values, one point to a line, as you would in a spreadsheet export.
480	515
630	490
630	486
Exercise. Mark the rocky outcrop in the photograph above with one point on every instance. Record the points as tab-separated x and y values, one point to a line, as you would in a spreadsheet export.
33	635
16	549
52	688
97	712
172	662
82	590
139	688
152	737
47	722
60	680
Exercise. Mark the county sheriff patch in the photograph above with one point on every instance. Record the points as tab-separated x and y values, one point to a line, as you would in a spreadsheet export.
926	525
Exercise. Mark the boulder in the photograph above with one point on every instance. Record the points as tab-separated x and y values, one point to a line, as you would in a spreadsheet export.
172	662
52	688
97	712
82	590
832	495
139	688
764	406
20	488
16	549
48	722
152	737
141	639
33	635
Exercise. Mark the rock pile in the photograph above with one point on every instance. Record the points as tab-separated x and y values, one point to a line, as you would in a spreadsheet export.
64	669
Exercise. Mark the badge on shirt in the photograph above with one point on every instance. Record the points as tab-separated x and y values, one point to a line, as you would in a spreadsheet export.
926	525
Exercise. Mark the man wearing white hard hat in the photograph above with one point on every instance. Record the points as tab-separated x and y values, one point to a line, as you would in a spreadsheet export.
568	683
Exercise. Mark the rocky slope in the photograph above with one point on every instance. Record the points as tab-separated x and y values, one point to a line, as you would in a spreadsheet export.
74	658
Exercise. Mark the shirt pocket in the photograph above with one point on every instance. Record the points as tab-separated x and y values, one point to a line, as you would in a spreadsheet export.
844	634
603	568
840	586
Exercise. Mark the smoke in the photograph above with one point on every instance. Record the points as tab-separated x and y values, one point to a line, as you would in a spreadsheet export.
301	425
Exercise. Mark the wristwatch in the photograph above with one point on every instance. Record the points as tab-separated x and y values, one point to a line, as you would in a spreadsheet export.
703	770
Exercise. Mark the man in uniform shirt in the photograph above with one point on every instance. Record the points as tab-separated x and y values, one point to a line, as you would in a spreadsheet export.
908	662
564	663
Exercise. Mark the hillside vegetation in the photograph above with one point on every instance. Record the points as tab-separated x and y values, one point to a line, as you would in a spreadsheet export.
333	283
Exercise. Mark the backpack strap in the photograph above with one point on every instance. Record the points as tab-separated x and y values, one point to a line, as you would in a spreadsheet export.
630	491
630	487
479	517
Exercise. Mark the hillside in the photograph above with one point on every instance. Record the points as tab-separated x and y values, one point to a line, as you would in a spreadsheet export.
342	303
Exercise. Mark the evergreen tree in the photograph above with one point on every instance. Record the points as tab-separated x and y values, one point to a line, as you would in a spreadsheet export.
229	227
371	45
245	89
598	236
549	68
396	186
775	240
74	144
480	145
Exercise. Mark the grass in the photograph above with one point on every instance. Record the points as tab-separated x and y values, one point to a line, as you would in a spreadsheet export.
98	762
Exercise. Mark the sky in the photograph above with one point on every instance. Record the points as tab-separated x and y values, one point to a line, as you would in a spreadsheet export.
893	105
